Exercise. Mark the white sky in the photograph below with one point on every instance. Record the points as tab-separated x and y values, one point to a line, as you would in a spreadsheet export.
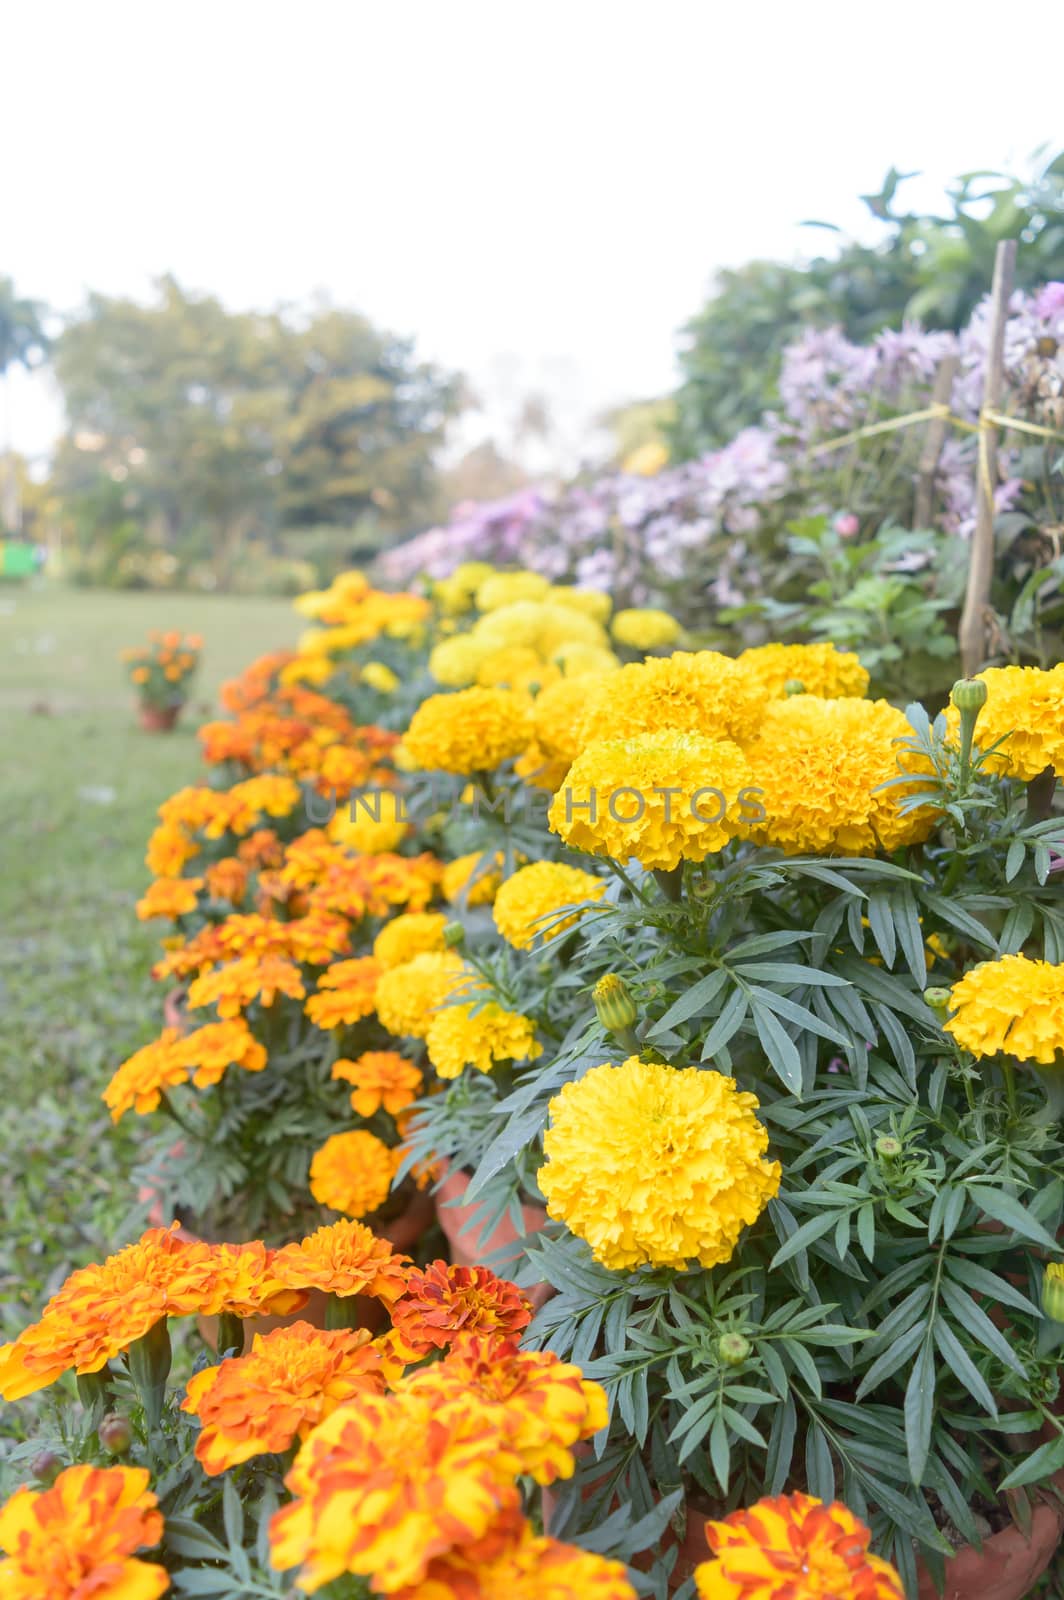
539	192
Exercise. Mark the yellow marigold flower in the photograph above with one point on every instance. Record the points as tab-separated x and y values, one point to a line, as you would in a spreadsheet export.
703	693
819	668
104	1308
387	1484
539	626
233	987
382	1078
513	1563
507	588
446	1303
292	1379
347	992
78	1538
314	669
140	1082
578	660
343	1258
557	717
516	667
407	996
545	1405
352	1173
655	1165
1011	1005
527	904
541	771
594	603
794	1545
470	880
471	731
455	662
661	798
372	824
645	629
408	936
380	676
821	764
1025	706
463	1036
170	898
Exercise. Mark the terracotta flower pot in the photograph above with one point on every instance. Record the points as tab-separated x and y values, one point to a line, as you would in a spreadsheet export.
470	1246
158	719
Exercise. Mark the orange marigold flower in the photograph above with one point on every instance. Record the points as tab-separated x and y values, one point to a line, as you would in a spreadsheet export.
790	1545
233	987
512	1562
344	1258
170	898
444	1302
381	1078
169	848
141	1081
78	1538
261	849
387	1484
353	1172
292	1379
545	1406
227	880
347	992
210	1050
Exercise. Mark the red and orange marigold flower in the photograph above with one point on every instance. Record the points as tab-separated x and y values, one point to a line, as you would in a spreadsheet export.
790	1546
77	1540
387	1484
292	1379
512	1562
344	1258
174	1058
445	1303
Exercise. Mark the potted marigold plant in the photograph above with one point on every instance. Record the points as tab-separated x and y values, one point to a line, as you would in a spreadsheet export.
161	672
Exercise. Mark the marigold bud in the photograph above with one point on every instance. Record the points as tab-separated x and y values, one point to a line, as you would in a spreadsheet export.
733	1348
1053	1291
46	1467
614	1003
115	1433
888	1147
453	935
938	1000
793	686
969	694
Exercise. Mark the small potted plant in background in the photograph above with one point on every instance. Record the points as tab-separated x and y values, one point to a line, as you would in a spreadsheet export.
160	672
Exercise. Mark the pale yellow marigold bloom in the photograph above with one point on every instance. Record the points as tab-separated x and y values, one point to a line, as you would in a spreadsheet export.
540	625
558	715
516	667
459	885
373	824
409	935
507	588
659	798
471	731
463	1036
579	660
653	1165
408	995
645	629
533	895
595	603
821	765
1027	705
1013	1005
819	668
455	662
380	676
703	692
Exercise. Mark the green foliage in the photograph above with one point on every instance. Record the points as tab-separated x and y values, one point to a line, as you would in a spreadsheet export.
929	268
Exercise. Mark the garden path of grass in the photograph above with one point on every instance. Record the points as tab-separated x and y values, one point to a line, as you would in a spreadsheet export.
79	786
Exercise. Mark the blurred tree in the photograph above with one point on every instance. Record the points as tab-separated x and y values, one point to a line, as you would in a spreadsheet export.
211	427
929	268
23	343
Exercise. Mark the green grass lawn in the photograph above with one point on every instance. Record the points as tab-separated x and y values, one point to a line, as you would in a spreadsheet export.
79	788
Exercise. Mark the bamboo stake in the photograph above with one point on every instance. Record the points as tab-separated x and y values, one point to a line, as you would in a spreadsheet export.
935	438
972	633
